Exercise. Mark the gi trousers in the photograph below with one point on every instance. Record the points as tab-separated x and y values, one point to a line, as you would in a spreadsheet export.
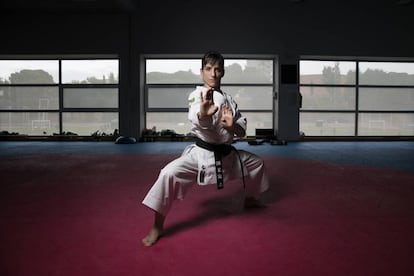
178	175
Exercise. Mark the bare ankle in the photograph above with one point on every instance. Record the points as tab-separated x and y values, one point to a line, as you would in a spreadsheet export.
156	231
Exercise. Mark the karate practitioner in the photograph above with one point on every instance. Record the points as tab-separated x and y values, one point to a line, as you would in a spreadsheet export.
215	120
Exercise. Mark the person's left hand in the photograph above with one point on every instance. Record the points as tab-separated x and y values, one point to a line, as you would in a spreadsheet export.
226	117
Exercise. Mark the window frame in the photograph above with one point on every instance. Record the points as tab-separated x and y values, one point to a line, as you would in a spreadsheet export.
146	86
61	87
357	86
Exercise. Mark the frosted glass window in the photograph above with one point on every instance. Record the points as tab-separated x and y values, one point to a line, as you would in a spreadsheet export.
35	101
386	124
163	120
181	124
383	98
327	124
168	97
30	123
90	71
257	120
90	97
87	123
173	71
247	97
29	71
386	73
252	97
255	71
24	97
186	71
391	99
170	81
327	98
327	72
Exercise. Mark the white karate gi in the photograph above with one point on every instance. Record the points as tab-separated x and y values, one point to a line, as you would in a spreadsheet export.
198	165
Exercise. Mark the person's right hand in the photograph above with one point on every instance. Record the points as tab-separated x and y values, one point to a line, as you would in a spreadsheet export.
207	107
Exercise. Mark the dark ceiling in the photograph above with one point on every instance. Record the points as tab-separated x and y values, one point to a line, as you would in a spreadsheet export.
99	6
68	5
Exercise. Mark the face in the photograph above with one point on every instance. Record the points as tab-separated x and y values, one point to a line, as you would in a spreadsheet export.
212	74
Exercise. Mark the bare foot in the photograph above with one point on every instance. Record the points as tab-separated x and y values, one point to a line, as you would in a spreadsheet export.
152	237
253	203
156	230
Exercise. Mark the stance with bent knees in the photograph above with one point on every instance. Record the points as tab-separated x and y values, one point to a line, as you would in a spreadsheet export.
216	120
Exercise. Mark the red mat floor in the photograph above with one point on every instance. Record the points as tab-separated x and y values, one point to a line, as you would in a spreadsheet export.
78	214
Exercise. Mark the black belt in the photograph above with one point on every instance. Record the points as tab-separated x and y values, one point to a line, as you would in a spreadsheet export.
220	151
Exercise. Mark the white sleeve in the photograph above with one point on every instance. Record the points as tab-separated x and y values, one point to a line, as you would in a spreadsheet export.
238	118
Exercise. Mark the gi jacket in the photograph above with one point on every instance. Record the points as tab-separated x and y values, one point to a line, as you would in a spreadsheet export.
211	131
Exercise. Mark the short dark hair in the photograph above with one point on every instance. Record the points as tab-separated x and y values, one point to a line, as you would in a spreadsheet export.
212	57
